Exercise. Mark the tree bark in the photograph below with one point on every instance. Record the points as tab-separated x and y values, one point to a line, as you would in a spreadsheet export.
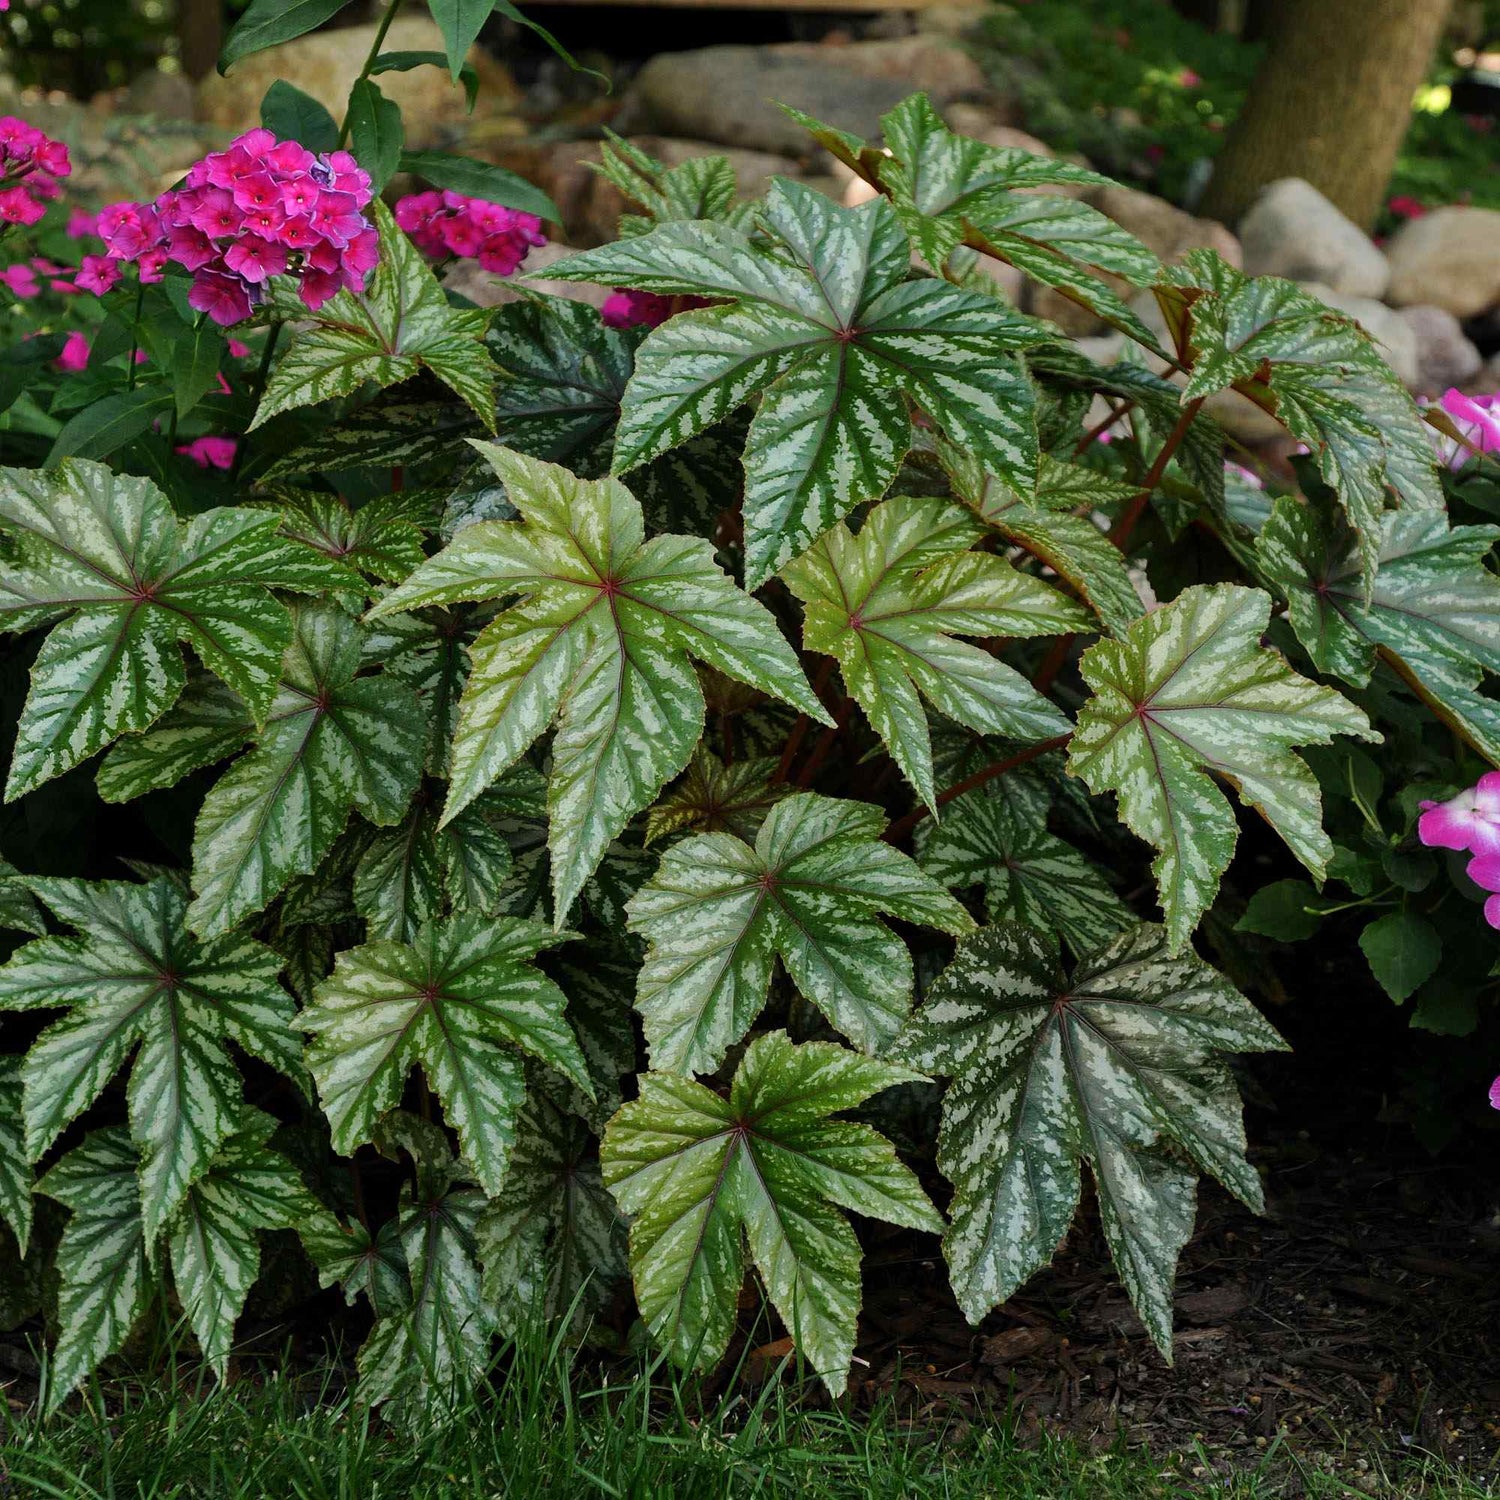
200	28
1330	102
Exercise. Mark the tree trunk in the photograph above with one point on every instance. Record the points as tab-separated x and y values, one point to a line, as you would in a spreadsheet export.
1330	102
200	27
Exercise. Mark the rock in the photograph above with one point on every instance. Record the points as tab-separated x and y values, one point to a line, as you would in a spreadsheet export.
325	64
1449	258
1445	357
726	93
161	96
1395	336
1292	230
590	206
467	279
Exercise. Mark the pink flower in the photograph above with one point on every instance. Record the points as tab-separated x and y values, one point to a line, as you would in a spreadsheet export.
1188	79
17	206
1478	419
97	274
255	259
1469	821
642	309
223	297
442	224
21	280
75	354
82	225
210	452
1404	206
238	349
1495	1094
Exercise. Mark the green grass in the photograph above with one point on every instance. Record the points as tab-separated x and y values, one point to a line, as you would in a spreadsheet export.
545	1428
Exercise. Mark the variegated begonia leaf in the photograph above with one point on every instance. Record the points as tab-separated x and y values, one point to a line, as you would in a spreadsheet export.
135	979
552	1242
1110	1065
105	555
461	1002
1047	523
702	187
1191	691
601	640
395	429
18	909
208	723
700	1174
358	1263
718	913
334	741
400	325
104	1269
888	603
822	324
15	1161
1317	371
1029	875
381	538
1432	614
949	190
422	1359
714	798
213	1240
418	871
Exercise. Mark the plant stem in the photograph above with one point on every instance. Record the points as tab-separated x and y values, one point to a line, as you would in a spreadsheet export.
1120	532
799	729
1052	663
364	72
135	335
1100	428
903	826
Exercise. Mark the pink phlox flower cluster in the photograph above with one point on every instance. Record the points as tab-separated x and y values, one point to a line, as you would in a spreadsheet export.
441	224
74	355
210	452
1478	418
1470	822
259	208
631	309
30	164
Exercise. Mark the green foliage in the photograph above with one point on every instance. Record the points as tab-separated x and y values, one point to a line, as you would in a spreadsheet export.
449	767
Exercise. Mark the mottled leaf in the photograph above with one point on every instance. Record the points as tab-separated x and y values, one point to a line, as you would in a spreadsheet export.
714	798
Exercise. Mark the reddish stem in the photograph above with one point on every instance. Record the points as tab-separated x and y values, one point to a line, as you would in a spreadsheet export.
1120	532
799	729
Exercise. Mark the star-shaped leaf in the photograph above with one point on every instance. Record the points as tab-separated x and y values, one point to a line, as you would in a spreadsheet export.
1047	524
601	640
131	584
15	1161
1029	875
823	325
1317	371
1432	614
888	604
718	913
1190	691
458	1002
552	1242
714	798
135	979
381	538
208	723
400	325
1105	1066
334	741
18	909
702	187
701	1174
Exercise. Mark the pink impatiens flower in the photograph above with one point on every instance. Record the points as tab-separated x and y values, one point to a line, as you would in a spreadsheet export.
1495	1094
1484	871
210	452
1469	821
630	309
1478	418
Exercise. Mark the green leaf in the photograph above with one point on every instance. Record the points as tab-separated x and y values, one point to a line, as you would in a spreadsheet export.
190	353
702	187
106	553
1190	690
334	741
18	909
15	1164
552	1242
714	798
207	723
400	325
1046	525
102	1260
347	1255
404	62
1028	875
888	605
294	116
455	1002
823	326
390	430
700	1174
376	133
381	538
480	179
136	980
460	21
266	23
602	640
1286	910
103	427
1403	950
1432	612
214	1238
1107	1066
718	913
1317	371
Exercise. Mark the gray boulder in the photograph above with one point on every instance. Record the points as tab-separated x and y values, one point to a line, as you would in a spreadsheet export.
1445	357
1449	258
1292	230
